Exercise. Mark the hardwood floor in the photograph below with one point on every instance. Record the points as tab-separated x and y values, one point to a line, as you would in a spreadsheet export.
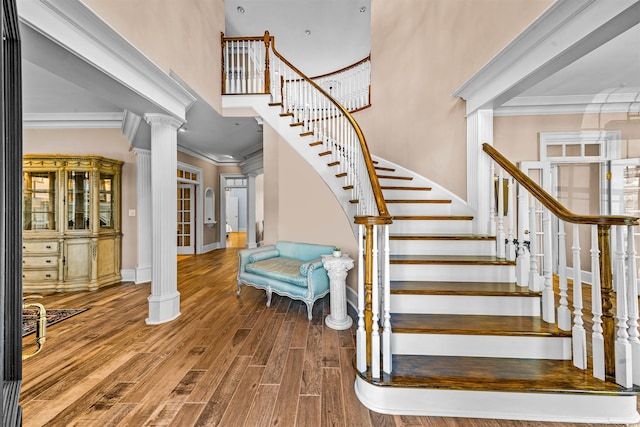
227	361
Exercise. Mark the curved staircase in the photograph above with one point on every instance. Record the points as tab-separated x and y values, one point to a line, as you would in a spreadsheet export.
442	327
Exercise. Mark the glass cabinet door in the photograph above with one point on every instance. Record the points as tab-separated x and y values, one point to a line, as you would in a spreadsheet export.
39	201
78	200
107	197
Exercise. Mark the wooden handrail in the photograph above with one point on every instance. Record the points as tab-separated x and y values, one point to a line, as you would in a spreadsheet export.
355	64
554	206
375	184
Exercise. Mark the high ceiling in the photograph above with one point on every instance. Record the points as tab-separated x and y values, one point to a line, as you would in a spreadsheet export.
316	35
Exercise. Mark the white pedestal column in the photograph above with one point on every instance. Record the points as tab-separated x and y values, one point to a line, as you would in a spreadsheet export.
337	269
164	301
143	190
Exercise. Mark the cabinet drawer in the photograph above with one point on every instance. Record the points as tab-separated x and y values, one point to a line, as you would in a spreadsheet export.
40	261
40	275
40	246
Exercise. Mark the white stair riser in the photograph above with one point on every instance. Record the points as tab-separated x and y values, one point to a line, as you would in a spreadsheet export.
442	247
466	304
419	208
428	227
551	407
556	348
453	273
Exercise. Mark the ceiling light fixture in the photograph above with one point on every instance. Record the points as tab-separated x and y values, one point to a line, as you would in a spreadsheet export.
307	32
240	9
363	9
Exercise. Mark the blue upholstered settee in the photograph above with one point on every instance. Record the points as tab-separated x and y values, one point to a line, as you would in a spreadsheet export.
287	268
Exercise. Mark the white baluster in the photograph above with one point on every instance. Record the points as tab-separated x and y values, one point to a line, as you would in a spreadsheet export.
492	204
564	315
548	297
511	248
523	262
534	282
579	339
597	339
243	76
361	334
386	333
622	346
375	313
226	68
500	237
632	301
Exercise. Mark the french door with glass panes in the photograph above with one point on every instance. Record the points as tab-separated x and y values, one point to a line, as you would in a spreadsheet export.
186	208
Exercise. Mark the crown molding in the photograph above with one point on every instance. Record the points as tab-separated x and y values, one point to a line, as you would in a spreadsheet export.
73	120
628	102
72	25
566	31
214	160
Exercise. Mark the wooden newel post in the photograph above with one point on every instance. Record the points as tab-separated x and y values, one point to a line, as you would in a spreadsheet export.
224	77
267	72
608	314
368	283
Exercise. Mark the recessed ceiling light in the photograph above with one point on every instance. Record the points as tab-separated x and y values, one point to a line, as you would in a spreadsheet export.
363	9
307	32
240	9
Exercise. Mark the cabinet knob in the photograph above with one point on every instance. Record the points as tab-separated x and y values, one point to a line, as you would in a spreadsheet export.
48	246
47	275
48	261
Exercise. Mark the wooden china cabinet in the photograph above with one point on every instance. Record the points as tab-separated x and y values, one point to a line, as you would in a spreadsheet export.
71	235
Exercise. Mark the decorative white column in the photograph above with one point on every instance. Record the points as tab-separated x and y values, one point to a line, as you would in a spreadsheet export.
337	269
164	301
479	179
143	190
251	211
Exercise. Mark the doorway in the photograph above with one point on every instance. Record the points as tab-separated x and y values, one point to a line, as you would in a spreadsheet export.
185	212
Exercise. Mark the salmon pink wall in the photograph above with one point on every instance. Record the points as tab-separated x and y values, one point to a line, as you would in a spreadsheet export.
421	52
178	35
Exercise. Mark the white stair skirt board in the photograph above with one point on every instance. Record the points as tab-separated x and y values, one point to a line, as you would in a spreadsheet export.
519	347
466	304
453	273
443	247
430	227
419	208
552	407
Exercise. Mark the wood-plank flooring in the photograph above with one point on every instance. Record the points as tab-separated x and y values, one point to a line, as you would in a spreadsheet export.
227	361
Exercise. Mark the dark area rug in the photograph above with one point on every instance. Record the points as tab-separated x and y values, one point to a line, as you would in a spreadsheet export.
30	317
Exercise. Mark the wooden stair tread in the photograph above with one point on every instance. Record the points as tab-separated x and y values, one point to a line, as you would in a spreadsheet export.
309	133
432	218
474	324
275	104
418	200
406	178
483	237
400	187
449	259
496	374
383	168
420	287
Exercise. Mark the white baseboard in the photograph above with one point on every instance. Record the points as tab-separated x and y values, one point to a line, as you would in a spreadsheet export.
136	275
210	247
128	275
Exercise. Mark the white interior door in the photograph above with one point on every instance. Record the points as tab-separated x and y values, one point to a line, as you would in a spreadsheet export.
186	208
232	212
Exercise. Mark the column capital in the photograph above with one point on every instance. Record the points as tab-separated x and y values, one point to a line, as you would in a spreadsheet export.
163	119
141	152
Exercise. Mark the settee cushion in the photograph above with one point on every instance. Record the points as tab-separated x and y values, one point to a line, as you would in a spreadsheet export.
259	256
279	268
